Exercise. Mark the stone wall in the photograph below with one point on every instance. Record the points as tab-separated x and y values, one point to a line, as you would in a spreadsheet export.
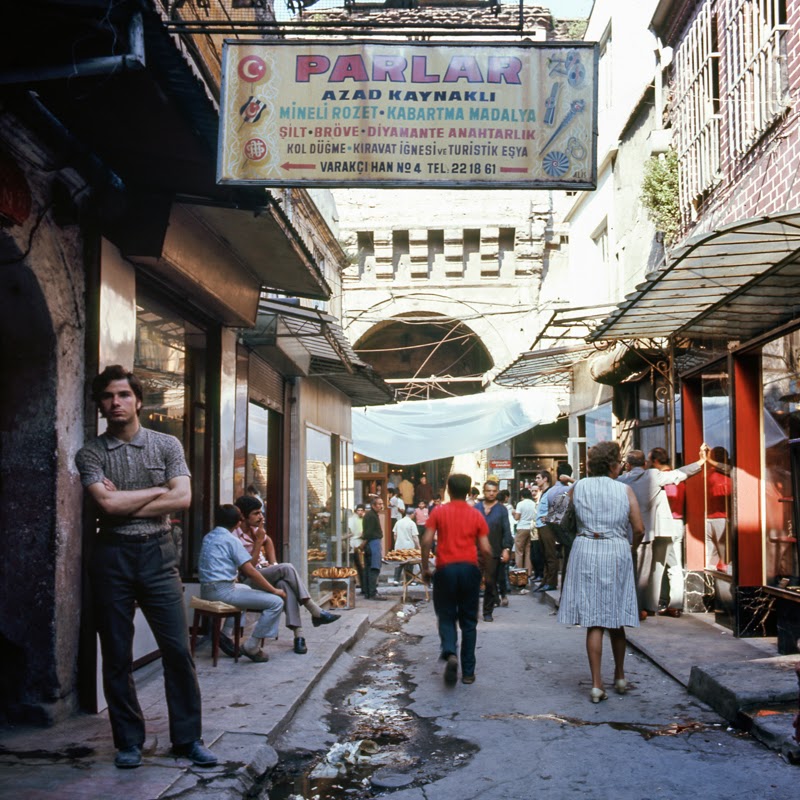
474	256
42	326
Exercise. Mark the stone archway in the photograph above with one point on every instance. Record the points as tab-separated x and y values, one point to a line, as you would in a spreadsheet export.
28	507
425	355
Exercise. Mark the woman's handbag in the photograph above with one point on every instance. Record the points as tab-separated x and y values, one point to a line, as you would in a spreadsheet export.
568	527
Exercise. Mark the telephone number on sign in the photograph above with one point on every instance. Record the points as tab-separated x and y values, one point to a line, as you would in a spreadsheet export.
474	168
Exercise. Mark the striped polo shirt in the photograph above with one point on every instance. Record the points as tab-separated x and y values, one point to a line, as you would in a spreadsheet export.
148	459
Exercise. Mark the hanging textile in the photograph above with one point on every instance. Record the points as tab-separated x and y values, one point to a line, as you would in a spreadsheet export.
423	430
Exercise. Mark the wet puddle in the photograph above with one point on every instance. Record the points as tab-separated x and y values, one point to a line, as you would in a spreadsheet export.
644	730
381	744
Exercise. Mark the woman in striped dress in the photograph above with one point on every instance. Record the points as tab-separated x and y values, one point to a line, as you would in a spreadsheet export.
599	592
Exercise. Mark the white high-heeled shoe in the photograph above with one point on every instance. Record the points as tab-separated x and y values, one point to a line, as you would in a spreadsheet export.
620	685
598	694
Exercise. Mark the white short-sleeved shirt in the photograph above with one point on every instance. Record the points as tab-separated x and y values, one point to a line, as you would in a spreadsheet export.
527	513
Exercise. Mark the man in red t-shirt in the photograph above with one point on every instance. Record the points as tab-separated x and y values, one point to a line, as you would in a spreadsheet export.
461	532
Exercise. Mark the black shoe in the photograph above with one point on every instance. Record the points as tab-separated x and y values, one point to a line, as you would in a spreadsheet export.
451	670
325	618
197	753
226	645
488	618
300	646
128	757
376	597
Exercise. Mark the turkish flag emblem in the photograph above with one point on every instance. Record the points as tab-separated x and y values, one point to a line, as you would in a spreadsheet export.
252	69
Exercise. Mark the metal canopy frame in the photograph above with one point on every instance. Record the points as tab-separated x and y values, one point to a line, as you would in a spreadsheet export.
552	365
549	367
733	283
327	352
232	17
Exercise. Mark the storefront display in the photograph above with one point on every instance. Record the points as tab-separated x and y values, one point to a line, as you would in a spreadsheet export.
718	485
780	361
170	361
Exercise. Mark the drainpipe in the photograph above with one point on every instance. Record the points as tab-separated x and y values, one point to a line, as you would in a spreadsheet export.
134	60
110	192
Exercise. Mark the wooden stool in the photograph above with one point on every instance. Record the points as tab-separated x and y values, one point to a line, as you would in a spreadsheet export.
216	611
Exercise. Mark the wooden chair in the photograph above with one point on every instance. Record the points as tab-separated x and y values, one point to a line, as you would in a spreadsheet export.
216	611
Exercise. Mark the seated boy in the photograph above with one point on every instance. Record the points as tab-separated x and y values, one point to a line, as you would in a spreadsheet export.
221	557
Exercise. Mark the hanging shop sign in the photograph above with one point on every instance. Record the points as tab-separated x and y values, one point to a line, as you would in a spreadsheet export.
394	114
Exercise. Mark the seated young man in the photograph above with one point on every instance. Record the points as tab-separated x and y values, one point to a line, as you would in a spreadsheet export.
253	536
221	557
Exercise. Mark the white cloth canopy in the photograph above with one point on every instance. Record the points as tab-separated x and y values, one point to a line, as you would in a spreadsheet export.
423	430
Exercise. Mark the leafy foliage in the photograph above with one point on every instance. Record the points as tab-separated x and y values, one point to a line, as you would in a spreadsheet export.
660	194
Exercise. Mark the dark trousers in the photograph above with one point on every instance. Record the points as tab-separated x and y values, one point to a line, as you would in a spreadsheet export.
373	553
548	542
456	595
537	560
123	574
493	583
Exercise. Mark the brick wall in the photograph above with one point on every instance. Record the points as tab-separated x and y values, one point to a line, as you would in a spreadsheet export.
763	180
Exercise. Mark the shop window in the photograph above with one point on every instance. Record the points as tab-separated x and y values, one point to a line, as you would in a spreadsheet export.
347	501
257	472
718	487
598	425
653	415
170	361
321	471
780	363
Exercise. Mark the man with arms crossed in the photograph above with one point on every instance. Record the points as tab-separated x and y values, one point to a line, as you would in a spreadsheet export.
461	533
136	478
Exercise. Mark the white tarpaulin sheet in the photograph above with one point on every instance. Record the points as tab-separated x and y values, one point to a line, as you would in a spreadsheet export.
423	430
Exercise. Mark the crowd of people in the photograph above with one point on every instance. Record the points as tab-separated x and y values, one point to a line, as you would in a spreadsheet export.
616	536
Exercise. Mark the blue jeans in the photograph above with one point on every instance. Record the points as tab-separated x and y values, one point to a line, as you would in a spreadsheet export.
242	596
456	595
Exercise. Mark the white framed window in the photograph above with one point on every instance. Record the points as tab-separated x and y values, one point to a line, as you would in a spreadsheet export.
697	108
756	63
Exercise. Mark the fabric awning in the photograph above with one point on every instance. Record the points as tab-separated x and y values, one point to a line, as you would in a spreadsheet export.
734	283
309	343
423	430
546	367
